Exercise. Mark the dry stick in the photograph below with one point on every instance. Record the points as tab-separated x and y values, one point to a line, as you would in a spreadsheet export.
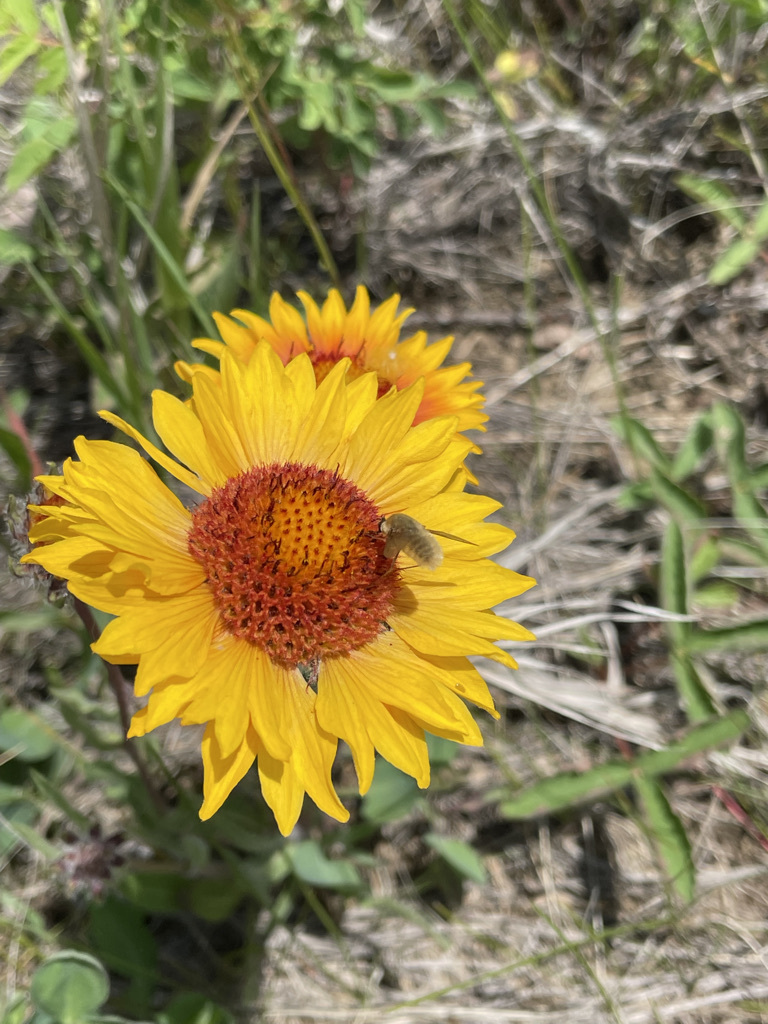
119	687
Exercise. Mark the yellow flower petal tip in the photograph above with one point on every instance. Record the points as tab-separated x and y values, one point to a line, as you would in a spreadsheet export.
370	338
278	611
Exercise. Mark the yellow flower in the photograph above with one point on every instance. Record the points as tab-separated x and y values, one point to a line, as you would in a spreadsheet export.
371	340
269	610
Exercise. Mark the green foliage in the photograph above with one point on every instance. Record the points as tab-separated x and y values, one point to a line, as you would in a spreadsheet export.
70	987
753	232
693	549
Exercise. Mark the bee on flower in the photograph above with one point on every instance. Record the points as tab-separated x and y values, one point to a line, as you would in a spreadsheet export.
272	611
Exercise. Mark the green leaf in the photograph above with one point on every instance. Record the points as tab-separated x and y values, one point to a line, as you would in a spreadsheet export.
671	839
15	816
193	1008
52	71
211	900
311	865
187	86
682	505
13	249
706	555
759	477
714	194
391	796
155	892
673	584
32	156
460	855
694	449
70	986
693	694
737	257
441	751
568	790
32	620
51	793
641	441
17	452
635	495
13	55
571	788
25	16
16	1011
33	737
394	86
717	594
748	510
32	839
122	940
749	636
731	441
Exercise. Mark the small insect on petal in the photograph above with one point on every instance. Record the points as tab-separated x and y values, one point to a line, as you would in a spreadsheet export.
404	533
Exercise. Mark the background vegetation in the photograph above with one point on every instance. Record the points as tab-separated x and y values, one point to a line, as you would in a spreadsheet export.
578	193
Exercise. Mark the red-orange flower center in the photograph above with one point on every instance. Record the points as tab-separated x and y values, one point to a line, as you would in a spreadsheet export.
295	560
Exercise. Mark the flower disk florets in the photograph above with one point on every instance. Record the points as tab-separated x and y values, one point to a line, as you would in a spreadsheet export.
294	558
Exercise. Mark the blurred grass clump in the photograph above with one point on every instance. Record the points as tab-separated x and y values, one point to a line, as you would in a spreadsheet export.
163	161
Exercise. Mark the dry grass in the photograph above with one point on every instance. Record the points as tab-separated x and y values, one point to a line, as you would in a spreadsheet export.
576	922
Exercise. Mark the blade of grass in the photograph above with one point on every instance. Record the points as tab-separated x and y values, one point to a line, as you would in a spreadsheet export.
95	360
563	791
162	251
669	836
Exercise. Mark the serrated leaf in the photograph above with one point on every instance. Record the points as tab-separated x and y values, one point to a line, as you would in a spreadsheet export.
460	855
669	835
